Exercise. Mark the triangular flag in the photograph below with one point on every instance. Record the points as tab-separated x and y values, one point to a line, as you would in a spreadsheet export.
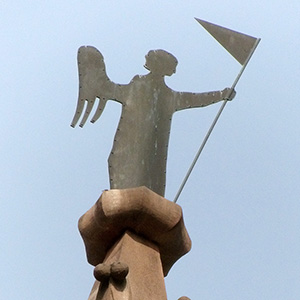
239	45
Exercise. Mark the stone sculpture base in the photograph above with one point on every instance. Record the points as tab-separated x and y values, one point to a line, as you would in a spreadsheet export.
135	228
145	279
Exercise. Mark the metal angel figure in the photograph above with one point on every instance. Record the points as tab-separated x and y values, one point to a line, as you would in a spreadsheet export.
139	153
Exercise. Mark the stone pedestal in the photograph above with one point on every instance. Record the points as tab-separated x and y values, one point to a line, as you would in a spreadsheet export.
135	228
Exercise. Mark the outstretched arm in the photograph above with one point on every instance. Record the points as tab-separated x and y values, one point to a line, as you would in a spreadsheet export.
189	100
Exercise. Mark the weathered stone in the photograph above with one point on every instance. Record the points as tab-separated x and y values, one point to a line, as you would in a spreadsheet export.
119	271
145	279
102	272
141	211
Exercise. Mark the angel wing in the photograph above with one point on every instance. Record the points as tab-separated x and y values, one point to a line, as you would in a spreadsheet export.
93	83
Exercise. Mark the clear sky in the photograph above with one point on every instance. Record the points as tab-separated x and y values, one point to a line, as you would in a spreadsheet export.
241	205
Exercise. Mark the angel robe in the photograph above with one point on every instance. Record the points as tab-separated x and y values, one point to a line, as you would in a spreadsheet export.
139	153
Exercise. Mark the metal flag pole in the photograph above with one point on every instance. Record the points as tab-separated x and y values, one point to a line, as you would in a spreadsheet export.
214	122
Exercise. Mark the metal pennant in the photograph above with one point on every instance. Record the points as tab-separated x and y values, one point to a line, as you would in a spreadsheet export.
239	45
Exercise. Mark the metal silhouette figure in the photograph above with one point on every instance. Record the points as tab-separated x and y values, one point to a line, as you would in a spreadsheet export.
139	153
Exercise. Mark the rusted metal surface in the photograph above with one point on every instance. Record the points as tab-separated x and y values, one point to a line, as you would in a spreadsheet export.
139	153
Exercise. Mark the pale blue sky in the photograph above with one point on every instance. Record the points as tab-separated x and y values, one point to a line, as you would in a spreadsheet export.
241	205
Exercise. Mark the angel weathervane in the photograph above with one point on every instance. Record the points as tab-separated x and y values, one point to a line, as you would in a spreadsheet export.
139	153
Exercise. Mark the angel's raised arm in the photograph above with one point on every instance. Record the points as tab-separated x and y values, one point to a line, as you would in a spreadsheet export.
93	83
189	100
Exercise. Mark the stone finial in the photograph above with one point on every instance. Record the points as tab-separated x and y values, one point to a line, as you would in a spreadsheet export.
141	211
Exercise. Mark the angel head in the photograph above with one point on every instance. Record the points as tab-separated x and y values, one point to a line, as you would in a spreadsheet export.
160	62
